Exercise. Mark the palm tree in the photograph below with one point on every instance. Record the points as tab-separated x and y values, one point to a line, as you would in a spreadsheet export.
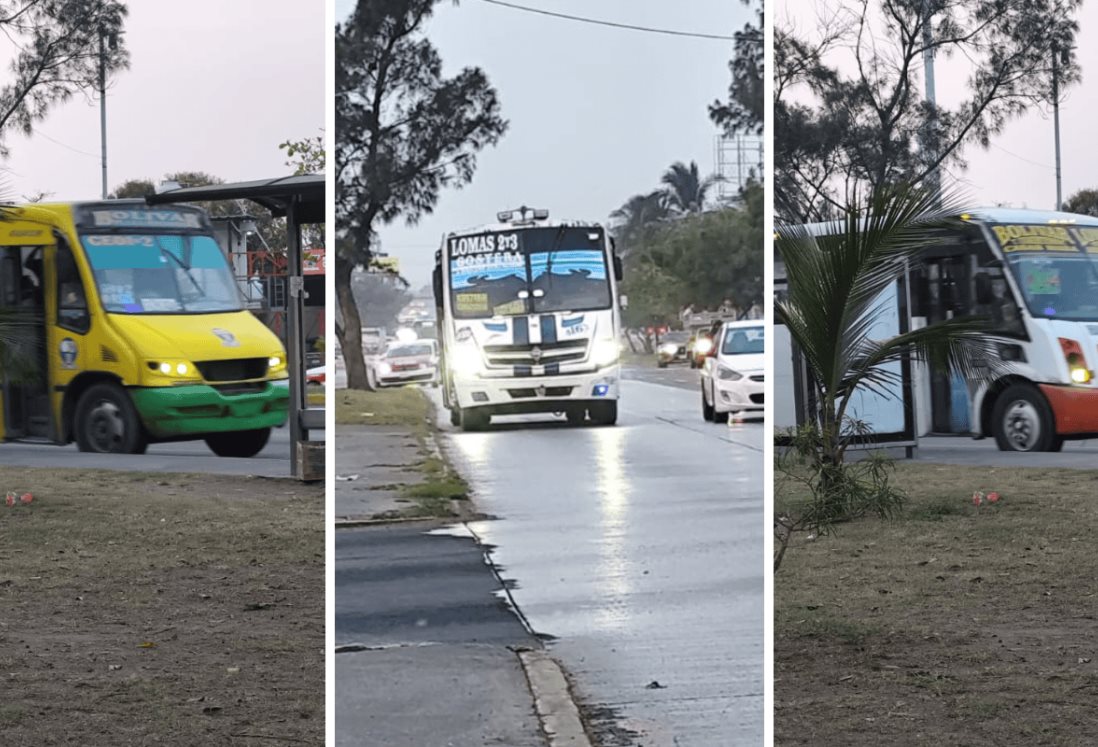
637	216
834	283
685	189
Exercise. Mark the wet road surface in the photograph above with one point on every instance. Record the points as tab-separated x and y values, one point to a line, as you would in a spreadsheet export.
639	549
677	375
984	453
183	456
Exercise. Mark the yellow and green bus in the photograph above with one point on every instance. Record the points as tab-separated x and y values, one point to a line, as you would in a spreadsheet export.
131	330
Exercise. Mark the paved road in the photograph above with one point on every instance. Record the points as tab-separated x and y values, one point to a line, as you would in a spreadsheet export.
639	549
432	666
984	453
678	375
184	456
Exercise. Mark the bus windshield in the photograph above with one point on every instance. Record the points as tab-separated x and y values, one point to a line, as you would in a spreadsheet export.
1057	286
161	274
528	271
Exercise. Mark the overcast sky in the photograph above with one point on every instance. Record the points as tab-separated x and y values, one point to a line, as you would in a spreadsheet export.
213	86
1018	169
596	114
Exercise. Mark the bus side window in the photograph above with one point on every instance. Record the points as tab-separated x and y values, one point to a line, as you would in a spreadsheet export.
72	302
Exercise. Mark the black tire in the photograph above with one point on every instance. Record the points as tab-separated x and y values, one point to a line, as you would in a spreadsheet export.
708	411
603	413
455	416
661	364
576	416
238	443
474	419
1022	420
693	362
106	422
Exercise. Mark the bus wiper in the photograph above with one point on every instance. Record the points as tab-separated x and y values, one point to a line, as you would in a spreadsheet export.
186	270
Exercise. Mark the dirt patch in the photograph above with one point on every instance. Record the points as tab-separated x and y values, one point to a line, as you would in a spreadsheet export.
951	626
176	610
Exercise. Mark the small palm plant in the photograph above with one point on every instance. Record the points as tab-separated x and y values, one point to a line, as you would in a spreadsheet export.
835	281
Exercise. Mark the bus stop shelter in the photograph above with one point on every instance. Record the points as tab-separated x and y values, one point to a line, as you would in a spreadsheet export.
300	200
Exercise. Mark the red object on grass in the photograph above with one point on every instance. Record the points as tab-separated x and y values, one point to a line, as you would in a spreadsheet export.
26	498
992	497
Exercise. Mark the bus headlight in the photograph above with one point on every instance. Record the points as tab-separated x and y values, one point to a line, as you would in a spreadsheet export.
604	352
172	368
1076	361
465	361
276	363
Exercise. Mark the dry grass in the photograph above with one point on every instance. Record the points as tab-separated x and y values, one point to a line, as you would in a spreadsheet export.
950	626
143	608
395	406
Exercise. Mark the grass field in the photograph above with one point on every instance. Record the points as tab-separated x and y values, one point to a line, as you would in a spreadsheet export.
950	625
166	609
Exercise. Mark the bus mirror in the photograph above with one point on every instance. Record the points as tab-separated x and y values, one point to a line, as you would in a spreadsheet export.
436	284
984	293
623	302
618	274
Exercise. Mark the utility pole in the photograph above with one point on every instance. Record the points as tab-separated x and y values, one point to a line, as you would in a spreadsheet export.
930	138
103	103
1056	118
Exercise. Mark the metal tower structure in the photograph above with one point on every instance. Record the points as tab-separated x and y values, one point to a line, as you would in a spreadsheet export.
739	158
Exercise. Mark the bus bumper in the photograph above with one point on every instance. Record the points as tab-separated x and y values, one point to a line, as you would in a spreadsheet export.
198	409
1074	408
523	394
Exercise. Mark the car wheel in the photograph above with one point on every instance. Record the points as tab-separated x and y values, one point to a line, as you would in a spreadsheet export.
661	364
238	443
106	422
707	409
1022	421
603	413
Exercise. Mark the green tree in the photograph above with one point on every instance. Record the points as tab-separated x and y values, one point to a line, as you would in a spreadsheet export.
56	46
686	190
637	217
1084	202
743	112
834	283
848	110
403	132
306	156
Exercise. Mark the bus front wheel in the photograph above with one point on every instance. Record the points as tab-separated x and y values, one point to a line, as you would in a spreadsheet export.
603	413
238	443
474	419
106	422
1022	421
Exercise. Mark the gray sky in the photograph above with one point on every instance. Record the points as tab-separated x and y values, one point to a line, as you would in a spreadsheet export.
596	113
1018	169
213	86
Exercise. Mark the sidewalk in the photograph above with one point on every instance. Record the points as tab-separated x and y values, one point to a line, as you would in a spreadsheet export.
372	463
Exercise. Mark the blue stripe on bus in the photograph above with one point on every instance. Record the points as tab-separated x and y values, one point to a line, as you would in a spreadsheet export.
572	322
495	326
524	370
548	328
552	369
521	333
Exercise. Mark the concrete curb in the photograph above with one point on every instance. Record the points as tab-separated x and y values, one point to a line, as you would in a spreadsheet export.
556	710
351	523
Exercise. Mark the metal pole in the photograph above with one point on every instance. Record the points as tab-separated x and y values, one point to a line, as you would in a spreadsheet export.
103	105
295	358
1056	120
933	178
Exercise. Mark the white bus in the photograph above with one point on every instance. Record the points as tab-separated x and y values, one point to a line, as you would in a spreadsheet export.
529	320
1034	275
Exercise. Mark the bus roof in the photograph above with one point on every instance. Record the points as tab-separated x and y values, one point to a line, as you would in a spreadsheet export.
519	225
987	215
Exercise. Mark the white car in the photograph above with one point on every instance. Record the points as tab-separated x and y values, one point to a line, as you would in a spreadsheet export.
732	377
405	363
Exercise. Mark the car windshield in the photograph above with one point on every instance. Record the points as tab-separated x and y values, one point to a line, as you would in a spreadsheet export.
161	274
406	351
742	341
528	271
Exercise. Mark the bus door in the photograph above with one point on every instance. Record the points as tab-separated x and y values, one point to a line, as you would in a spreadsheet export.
24	378
944	291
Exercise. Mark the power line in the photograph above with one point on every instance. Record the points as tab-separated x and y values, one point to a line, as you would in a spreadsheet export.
63	145
1022	158
597	22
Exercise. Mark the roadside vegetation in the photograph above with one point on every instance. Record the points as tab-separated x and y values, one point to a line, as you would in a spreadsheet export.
176	609
949	623
434	489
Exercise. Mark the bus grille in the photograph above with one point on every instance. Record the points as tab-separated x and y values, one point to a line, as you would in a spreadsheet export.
238	369
536	355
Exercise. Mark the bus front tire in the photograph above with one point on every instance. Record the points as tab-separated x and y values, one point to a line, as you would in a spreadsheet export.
474	419
603	413
106	422
1022	421
575	415
238	443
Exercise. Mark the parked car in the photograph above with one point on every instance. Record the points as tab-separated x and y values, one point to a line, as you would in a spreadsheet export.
672	348
732	375
405	363
315	375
